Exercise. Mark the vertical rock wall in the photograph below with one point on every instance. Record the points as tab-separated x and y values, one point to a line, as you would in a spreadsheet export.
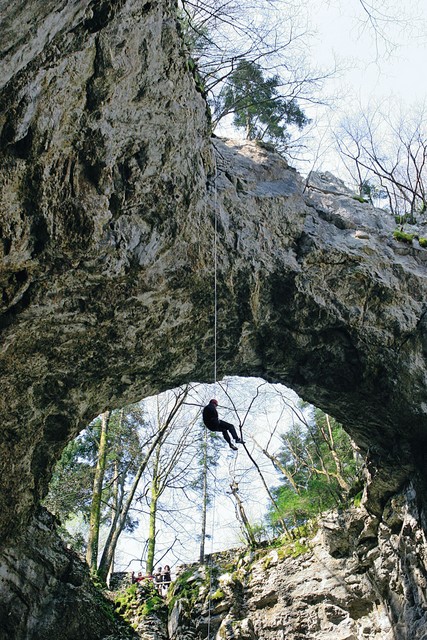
356	579
103	145
103	151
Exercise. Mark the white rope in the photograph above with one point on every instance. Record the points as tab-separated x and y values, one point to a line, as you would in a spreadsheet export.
215	273
210	561
215	379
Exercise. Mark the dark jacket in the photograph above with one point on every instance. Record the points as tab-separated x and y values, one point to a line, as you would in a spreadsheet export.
210	416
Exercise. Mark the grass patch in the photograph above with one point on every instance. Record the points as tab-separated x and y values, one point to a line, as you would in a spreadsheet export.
357	500
218	595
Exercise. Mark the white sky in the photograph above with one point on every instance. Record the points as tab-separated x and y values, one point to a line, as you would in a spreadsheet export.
371	67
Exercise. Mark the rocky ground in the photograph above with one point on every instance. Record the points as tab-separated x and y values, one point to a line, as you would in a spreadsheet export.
347	582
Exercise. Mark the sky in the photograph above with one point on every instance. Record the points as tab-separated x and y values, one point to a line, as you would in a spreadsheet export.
375	67
385	66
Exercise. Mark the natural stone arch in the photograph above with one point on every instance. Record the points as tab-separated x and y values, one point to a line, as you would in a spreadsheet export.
107	218
301	300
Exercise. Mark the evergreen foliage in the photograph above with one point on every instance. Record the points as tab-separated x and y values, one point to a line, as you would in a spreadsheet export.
320	459
258	107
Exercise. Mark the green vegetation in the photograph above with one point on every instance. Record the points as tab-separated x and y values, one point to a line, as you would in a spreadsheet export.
185	588
357	500
403	219
71	487
102	598
319	466
403	237
287	547
257	107
293	549
139	601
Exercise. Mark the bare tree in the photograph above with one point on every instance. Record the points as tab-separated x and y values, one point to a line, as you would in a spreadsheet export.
255	464
392	152
241	516
122	504
172	467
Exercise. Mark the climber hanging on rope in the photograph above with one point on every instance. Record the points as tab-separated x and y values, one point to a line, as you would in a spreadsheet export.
213	423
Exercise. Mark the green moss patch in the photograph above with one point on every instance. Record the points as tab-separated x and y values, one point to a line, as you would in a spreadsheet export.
218	595
403	237
186	588
139	601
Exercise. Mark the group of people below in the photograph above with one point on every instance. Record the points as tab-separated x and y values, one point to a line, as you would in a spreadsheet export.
161	578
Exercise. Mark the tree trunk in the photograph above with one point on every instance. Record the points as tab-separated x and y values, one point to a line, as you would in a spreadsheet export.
339	474
241	515
115	508
204	499
95	511
120	518
282	469
154	495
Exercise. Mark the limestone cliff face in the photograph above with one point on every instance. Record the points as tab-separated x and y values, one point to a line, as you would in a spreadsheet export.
356	579
104	152
109	193
103	137
327	302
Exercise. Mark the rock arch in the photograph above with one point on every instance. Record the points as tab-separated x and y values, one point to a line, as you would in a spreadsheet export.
110	186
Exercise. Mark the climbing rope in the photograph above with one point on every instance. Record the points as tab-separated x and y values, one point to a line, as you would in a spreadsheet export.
215	273
215	380
211	559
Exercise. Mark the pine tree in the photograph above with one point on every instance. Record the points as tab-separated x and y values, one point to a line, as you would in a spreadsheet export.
257	106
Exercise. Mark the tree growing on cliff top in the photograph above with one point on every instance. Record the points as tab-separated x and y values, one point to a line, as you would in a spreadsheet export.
233	38
257	106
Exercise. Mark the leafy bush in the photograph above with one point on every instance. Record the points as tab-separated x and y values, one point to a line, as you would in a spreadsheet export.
320	468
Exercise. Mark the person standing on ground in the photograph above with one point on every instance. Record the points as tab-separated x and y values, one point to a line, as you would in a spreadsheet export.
166	573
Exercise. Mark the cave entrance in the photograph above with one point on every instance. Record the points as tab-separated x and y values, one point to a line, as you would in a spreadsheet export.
191	495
